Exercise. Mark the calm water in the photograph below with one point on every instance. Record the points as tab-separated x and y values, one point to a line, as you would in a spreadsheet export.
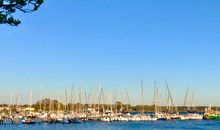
169	125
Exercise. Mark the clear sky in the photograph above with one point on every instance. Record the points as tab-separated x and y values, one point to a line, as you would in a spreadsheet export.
117	42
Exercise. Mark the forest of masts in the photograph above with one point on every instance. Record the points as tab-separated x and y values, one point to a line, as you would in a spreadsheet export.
104	100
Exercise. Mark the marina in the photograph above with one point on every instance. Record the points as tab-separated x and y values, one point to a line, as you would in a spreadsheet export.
53	111
109	65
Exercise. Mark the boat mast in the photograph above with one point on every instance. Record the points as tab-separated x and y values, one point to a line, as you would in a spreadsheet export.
174	96
30	102
17	99
86	102
50	102
193	101
186	99
65	99
170	99
45	104
142	96
109	104
10	103
155	98
58	104
115	100
103	99
53	101
71	98
99	97
128	100
41	96
90	99
79	107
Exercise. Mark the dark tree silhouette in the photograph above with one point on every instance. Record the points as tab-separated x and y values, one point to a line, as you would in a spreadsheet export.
8	7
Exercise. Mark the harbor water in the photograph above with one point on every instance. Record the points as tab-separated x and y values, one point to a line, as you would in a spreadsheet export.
143	125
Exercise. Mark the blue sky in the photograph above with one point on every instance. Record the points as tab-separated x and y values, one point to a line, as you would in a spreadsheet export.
116	42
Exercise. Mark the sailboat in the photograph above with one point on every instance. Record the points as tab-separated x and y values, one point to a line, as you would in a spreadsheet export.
143	117
192	114
155	102
170	113
73	118
28	119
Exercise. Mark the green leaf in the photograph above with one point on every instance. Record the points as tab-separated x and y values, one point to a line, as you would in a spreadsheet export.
40	2
36	7
1	18
21	2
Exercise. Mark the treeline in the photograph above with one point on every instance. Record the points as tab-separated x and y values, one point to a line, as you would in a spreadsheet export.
54	105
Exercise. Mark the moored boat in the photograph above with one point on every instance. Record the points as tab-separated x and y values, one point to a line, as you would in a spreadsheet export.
28	120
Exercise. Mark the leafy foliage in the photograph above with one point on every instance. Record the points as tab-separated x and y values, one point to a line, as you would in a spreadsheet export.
8	7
